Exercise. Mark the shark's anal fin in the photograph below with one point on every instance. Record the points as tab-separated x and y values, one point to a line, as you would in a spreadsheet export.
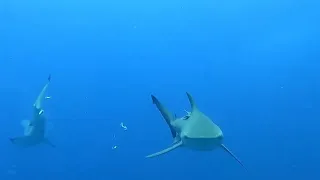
165	150
166	114
234	156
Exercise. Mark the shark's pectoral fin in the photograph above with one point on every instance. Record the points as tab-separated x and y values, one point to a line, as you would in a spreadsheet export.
234	156
174	146
47	141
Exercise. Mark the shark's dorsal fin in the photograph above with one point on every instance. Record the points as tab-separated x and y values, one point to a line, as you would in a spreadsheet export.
192	102
234	156
174	146
167	115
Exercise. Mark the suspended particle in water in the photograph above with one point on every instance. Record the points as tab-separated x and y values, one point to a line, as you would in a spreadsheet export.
123	126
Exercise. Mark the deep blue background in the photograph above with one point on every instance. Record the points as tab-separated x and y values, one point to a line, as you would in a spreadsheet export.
252	66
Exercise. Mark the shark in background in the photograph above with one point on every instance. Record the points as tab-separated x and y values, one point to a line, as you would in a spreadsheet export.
194	130
35	129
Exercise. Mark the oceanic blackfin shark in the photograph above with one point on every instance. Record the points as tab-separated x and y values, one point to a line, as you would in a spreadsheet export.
194	130
34	129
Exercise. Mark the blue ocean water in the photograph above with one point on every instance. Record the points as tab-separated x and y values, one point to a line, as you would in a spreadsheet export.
252	66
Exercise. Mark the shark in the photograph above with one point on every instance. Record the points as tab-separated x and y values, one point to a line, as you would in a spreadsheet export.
34	129
195	130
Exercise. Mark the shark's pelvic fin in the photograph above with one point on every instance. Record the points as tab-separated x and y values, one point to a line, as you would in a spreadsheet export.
169	117
177	139
25	123
234	156
174	146
47	141
41	96
28	130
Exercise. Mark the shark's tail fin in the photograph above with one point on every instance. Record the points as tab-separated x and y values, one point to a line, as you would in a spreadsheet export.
167	115
41	96
234	156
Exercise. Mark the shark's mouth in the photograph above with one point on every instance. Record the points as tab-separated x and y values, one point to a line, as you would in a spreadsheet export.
205	144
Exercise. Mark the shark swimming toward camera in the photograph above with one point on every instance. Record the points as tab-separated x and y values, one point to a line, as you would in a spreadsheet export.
34	130
194	130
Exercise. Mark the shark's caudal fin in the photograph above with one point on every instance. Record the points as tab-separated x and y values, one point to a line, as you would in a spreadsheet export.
192	102
174	146
41	96
234	156
169	117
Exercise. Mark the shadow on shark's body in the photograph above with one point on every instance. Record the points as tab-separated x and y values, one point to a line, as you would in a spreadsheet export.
34	130
194	130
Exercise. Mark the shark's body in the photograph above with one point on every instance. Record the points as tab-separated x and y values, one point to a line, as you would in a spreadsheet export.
34	130
194	130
